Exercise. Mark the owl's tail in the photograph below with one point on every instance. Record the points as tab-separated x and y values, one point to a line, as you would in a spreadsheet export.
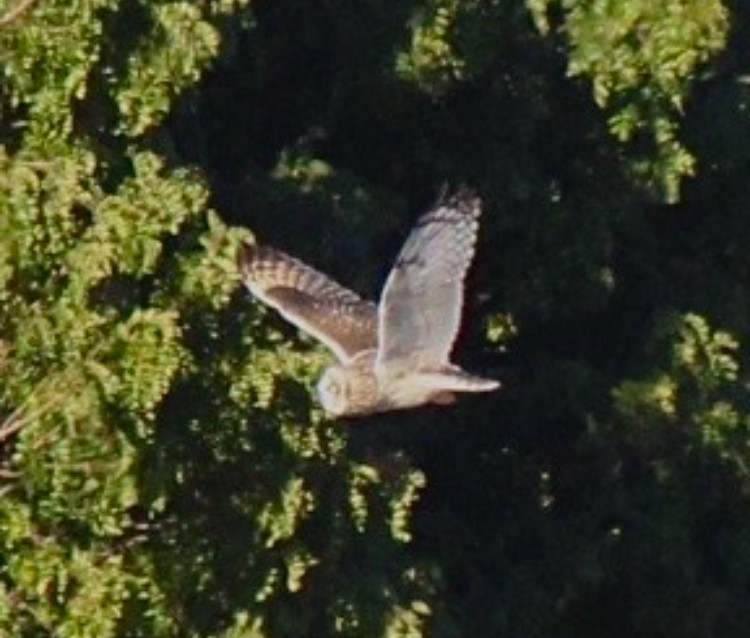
454	379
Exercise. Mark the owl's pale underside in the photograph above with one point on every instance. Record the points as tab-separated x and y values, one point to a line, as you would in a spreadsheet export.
395	354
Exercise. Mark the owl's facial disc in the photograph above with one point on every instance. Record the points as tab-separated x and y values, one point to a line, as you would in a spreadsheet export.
332	390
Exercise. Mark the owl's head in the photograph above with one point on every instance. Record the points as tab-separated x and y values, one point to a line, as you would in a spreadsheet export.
333	390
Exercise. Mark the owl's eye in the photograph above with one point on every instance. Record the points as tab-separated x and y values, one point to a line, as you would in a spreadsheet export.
334	388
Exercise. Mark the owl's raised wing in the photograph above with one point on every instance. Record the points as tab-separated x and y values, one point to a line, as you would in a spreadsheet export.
421	303
337	317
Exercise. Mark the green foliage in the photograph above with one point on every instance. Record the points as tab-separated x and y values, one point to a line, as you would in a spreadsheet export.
452	42
696	391
171	58
431	61
81	384
114	341
164	467
642	59
46	64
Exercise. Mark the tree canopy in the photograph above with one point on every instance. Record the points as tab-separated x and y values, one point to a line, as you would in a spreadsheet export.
165	469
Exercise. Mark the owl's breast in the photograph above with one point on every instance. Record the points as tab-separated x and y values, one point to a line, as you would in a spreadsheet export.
363	393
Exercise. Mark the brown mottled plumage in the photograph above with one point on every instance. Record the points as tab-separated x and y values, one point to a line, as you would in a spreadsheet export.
394	355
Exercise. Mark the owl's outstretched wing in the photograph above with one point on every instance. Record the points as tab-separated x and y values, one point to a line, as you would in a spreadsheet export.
335	316
421	303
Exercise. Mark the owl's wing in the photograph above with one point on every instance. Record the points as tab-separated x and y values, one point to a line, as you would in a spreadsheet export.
335	316
421	303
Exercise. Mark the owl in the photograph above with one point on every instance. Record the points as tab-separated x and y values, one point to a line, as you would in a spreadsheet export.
395	354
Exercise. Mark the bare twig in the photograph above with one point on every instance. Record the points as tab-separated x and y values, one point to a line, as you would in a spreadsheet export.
11	425
21	416
16	12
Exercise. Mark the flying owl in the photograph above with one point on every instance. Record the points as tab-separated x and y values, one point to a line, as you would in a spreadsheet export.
395	354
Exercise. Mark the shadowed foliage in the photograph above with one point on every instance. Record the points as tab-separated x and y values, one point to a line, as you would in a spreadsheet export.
164	468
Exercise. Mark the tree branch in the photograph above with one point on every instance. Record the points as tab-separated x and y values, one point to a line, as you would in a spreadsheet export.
16	12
